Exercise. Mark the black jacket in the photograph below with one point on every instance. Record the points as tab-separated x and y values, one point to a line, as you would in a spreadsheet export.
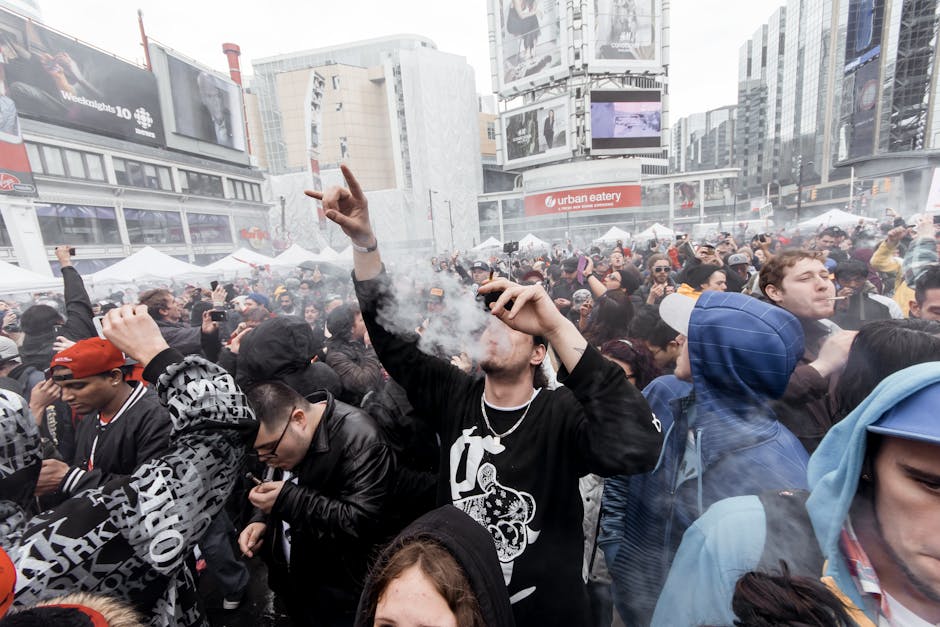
470	545
357	366
139	431
335	515
37	349
190	340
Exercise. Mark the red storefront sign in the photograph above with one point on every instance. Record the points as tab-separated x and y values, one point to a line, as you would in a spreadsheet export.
583	199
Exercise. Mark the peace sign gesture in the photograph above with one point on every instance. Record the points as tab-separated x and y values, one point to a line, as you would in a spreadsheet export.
348	208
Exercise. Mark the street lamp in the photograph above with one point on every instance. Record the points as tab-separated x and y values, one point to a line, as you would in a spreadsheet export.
450	217
431	193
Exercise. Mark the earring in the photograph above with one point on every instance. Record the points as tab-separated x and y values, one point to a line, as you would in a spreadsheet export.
866	476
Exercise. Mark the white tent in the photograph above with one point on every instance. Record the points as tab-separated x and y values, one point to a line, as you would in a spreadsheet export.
146	264
657	231
833	217
294	256
345	255
328	254
238	262
614	234
14	279
488	244
531	242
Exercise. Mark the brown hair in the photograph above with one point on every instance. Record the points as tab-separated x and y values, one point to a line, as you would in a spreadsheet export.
438	565
156	299
775	269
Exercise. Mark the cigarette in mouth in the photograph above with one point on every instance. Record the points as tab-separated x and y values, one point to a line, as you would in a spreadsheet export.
837	298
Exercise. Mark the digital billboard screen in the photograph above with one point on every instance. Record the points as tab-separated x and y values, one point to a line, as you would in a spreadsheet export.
626	120
537	133
531	42
624	34
205	105
55	79
863	32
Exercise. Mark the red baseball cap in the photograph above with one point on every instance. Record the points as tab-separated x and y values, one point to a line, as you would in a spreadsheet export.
89	357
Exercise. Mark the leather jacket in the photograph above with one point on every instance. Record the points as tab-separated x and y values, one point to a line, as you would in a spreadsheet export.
335	512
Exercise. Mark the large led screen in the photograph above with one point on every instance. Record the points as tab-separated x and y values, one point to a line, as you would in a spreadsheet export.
626	120
205	105
537	134
531	42
52	77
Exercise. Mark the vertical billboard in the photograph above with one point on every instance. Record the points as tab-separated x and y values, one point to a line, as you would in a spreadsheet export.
863	32
624	121
536	134
54	78
16	175
206	106
531	38
624	35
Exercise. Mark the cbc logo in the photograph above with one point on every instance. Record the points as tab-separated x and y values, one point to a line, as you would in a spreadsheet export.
549	201
143	118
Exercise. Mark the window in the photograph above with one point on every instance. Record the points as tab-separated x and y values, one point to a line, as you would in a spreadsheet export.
78	224
491	130
137	174
200	184
55	161
207	228
153	227
4	234
244	190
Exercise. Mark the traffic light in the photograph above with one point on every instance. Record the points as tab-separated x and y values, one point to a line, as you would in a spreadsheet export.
874	189
886	186
812	194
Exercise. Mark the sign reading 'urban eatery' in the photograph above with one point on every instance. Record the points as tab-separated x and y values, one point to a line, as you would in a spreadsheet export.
583	199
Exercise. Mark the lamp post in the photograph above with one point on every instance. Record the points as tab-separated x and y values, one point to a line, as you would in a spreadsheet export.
450	218
431	192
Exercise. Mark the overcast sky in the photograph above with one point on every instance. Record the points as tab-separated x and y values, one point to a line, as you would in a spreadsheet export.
706	34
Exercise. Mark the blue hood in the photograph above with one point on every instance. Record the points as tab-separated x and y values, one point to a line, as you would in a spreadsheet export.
835	467
763	342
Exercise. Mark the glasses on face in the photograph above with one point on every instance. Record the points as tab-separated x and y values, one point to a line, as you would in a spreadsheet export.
272	453
660	269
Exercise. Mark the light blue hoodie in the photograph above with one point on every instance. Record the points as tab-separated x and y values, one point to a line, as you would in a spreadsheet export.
728	540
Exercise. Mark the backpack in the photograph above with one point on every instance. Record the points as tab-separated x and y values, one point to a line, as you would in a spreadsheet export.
789	534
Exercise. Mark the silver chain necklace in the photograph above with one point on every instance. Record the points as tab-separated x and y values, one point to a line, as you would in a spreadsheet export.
498	436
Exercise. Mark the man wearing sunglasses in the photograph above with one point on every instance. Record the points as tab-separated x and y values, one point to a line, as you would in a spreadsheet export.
318	523
660	282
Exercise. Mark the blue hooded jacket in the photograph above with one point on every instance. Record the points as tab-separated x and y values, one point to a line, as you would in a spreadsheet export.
728	540
722	440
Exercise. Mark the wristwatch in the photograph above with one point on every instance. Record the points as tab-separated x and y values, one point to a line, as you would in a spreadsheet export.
366	249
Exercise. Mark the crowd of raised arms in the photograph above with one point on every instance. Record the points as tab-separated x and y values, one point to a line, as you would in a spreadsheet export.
740	430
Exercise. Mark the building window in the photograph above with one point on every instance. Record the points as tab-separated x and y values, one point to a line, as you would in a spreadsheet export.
4	234
243	190
200	184
491	130
78	224
137	174
153	227
207	228
55	161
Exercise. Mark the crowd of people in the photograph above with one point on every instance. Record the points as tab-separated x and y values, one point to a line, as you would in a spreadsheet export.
733	431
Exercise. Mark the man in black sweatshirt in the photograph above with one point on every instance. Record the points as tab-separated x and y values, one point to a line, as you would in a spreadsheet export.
511	454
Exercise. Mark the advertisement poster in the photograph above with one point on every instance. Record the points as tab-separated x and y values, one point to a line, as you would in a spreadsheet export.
53	78
16	176
863	32
624	34
537	133
531	42
206	106
583	199
626	120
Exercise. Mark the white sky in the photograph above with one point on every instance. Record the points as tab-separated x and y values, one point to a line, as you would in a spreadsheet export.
705	37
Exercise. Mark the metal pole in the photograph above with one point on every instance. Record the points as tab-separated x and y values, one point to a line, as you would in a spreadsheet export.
431	217
283	220
450	216
799	190
851	189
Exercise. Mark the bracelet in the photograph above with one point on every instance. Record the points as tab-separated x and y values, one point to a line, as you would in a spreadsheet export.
366	249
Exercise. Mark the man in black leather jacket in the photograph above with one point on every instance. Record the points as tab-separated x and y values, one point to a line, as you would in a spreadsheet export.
317	525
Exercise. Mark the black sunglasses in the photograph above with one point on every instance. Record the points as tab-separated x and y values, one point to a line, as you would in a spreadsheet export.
660	269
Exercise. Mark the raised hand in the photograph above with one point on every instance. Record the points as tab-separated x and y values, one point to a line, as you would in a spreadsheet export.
348	208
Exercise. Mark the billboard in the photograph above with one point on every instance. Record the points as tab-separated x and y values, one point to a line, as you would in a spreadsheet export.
205	105
16	175
537	133
624	35
531	39
583	199
863	32
626	121
857	128
53	78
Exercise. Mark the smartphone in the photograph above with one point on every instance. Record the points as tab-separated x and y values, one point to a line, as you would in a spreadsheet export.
72	252
217	315
213	285
57	330
936	219
492	297
97	322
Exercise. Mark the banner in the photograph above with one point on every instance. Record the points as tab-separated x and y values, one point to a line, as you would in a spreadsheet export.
583	199
531	42
58	80
624	35
16	176
863	32
205	105
537	133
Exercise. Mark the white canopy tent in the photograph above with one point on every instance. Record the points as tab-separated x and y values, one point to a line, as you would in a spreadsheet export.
614	234
657	231
328	254
146	264
238	262
294	256
16	280
833	217
488	244
531	242
344	255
